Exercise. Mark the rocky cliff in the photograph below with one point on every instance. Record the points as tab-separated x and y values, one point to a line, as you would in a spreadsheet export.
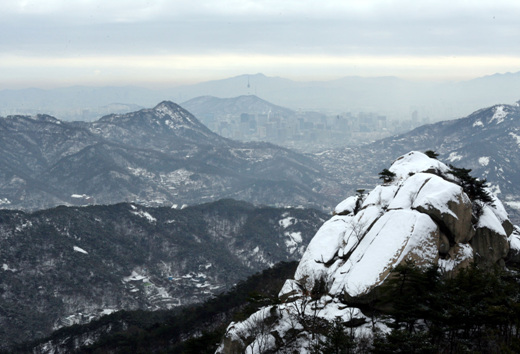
424	212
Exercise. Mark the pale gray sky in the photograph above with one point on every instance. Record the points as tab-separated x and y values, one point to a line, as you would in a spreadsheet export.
49	43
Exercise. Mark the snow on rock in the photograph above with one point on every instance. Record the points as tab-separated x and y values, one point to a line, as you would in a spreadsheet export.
443	201
490	243
460	254
514	246
381	196
408	218
325	244
346	207
501	213
397	235
489	220
415	162
514	240
422	215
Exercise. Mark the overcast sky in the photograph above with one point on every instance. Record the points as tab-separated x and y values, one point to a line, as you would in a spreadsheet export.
50	43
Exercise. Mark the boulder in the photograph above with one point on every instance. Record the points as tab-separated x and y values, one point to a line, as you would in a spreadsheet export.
445	202
397	236
490	243
460	256
422	215
489	246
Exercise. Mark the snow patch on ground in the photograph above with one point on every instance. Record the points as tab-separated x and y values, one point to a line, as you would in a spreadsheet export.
516	137
80	250
22	227
134	277
513	204
454	157
483	161
494	188
287	221
145	214
108	311
478	123
6	268
499	115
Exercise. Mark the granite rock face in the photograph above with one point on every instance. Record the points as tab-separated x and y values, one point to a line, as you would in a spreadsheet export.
421	214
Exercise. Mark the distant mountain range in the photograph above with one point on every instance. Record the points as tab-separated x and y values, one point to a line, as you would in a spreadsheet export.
158	156
70	265
165	156
390	96
487	141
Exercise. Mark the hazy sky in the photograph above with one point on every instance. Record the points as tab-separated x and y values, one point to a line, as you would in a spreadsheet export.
49	43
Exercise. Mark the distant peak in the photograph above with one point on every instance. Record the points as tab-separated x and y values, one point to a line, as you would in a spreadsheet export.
168	104
46	118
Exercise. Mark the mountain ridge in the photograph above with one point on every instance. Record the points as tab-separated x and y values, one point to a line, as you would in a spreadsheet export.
455	99
484	141
158	156
70	265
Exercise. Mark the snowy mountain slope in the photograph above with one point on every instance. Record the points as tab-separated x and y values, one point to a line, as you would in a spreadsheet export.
165	127
70	265
158	156
423	212
487	141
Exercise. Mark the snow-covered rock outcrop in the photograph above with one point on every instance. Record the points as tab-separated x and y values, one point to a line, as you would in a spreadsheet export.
420	213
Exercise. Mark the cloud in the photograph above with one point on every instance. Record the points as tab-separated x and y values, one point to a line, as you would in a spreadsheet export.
91	31
265	26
